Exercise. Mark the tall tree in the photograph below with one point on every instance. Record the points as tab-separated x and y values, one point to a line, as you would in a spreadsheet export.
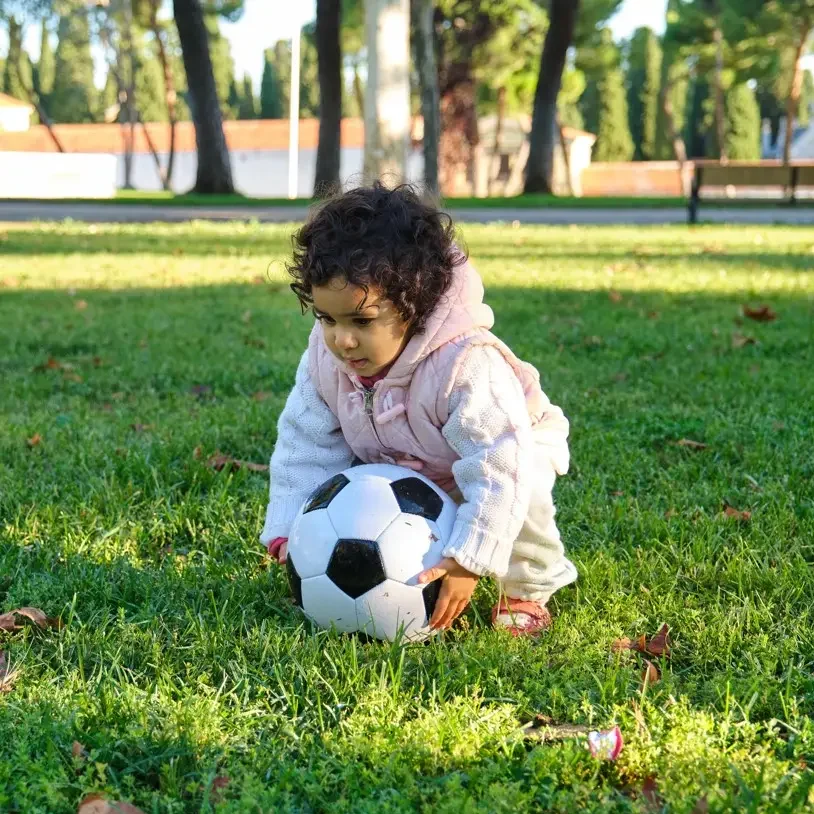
570	21
248	104
422	12
214	173
644	84
74	95
613	142
387	96
742	123
309	73
223	66
329	56
271	96
17	80
46	67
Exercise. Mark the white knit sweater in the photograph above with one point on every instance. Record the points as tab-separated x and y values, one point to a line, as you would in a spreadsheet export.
488	426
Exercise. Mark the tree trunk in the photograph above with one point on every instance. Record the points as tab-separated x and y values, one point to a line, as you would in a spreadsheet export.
132	112
494	168
540	167
214	174
424	40
329	59
793	102
387	95
169	91
679	148
720	113
358	90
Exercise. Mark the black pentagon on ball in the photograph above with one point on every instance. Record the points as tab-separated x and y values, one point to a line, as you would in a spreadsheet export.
356	566
294	581
323	495
430	593
416	497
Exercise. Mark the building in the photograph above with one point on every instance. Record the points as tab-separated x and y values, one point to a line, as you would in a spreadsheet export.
15	116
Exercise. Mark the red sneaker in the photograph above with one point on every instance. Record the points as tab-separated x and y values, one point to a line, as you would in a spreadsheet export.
521	617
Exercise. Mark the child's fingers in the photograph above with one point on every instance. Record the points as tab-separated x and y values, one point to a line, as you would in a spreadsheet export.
282	554
432	574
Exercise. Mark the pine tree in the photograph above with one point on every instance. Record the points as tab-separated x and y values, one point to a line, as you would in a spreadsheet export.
644	84
223	65
271	103
74	96
248	104
46	67
614	142
742	124
674	71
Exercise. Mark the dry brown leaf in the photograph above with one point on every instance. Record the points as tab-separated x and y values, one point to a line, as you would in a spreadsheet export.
670	513
197	452
7	675
621	645
617	493
740	340
702	806
78	751
141	427
96	804
650	793
545	728
650	674
9	623
762	313
80	305
614	296
659	645
219	784
742	516
97	361
261	395
49	364
218	461
254	342
690	444
35	440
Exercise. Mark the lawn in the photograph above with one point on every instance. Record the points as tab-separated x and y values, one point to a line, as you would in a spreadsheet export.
183	680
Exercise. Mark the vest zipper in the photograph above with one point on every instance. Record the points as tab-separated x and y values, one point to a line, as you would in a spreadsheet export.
369	395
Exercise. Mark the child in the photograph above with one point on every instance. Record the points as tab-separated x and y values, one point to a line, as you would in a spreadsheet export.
401	368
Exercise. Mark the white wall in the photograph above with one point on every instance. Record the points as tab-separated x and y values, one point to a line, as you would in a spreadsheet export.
260	174
57	175
15	119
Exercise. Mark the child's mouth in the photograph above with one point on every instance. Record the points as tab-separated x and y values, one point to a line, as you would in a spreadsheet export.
357	364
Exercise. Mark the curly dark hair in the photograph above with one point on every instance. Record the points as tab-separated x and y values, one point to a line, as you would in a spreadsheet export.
375	236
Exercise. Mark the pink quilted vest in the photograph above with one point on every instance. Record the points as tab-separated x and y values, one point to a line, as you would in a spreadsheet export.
400	419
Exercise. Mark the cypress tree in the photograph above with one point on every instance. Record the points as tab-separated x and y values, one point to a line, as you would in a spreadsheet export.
697	120
806	100
46	67
235	99
17	72
309	75
674	71
74	96
644	84
742	124
614	142
271	103
248	104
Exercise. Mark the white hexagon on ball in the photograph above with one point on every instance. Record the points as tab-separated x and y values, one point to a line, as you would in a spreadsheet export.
408	546
327	605
391	610
364	508
311	543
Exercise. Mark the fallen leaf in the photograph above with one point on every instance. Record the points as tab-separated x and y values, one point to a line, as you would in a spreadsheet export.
218	786
742	516
650	793
702	806
650	674
621	645
197	453
7	675
762	313
141	427
200	389
218	461
659	645
617	494
670	513
653	314
543	728
614	296
690	444
8	620
78	751
96	804
261	395
50	364
740	340
97	361
35	440
80	305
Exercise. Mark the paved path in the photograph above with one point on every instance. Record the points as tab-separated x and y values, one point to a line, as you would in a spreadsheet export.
138	213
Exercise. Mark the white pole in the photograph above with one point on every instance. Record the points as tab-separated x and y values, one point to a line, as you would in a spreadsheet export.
294	117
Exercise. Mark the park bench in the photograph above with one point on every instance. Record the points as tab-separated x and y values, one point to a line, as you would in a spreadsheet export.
749	174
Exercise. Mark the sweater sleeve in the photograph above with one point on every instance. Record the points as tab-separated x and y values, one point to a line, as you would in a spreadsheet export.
310	449
490	428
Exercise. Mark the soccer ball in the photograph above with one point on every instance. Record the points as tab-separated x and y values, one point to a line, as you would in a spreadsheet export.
358	545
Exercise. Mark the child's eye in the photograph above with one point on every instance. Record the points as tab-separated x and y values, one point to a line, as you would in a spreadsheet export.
362	323
324	318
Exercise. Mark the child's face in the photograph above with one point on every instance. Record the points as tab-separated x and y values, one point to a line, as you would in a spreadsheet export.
365	332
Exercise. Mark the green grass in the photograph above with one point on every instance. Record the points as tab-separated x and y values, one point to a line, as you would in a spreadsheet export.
181	659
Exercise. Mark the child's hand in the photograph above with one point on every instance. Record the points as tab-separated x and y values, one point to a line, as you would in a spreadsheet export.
456	591
278	549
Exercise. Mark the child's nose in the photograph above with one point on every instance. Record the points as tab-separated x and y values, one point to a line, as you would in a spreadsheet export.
345	340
